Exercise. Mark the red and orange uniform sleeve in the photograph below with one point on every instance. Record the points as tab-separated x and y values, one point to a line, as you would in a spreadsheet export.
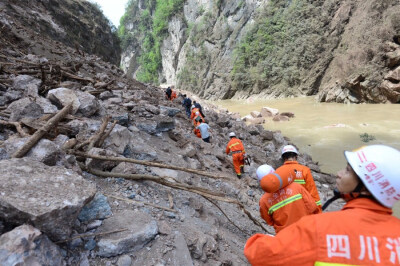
311	187
264	210
294	245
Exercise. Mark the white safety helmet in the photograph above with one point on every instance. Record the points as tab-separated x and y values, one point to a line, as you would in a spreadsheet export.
264	170
197	113
289	148
232	134
378	166
192	107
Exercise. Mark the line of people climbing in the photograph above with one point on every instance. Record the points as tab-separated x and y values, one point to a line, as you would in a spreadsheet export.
364	232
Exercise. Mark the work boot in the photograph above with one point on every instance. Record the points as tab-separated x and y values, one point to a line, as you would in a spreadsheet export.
241	169
239	176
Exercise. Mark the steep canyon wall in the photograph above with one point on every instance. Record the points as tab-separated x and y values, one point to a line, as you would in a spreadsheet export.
340	50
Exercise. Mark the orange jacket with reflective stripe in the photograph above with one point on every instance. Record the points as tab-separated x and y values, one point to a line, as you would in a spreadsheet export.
286	206
234	144
362	233
303	177
193	113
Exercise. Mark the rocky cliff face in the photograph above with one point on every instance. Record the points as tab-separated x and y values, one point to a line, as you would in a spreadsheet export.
75	23
340	50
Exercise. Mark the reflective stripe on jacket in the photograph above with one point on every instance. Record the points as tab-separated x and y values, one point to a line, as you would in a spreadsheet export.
363	233
234	144
286	206
304	177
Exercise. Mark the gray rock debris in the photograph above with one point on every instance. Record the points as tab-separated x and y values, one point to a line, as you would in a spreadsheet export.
24	108
44	151
98	208
141	230
63	96
50	198
26	245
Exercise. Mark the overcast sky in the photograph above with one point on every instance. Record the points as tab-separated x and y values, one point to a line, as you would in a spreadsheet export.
112	9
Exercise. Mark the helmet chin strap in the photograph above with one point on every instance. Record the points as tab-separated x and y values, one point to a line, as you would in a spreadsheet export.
346	196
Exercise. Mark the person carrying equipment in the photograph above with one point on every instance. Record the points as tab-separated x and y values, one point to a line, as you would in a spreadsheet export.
235	146
364	232
303	174
284	206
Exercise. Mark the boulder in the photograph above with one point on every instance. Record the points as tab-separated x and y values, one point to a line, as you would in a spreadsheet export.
122	119
156	125
63	96
393	58
223	121
44	151
88	104
269	112
47	106
247	118
26	245
141	229
97	209
288	114
180	255
256	121
50	198
394	76
391	91
169	111
280	117
255	114
27	84
24	108
118	139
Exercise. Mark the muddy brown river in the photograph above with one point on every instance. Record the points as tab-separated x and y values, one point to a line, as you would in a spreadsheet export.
325	130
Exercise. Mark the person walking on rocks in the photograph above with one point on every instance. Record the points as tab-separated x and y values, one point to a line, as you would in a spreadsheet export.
286	205
187	103
235	146
303	174
168	93
204	131
364	232
197	105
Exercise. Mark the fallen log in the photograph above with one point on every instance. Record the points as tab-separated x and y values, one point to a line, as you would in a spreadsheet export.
99	134
17	125
41	132
147	163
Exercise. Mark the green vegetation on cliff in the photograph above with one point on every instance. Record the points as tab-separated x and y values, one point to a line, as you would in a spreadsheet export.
151	29
283	43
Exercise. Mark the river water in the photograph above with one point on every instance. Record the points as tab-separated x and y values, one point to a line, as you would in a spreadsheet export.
325	130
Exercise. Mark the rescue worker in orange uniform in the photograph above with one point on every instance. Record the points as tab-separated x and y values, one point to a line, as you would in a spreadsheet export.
235	146
303	173
364	232
173	95
286	205
194	112
197	123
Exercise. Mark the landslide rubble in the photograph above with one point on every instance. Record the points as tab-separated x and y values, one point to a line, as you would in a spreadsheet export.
98	169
